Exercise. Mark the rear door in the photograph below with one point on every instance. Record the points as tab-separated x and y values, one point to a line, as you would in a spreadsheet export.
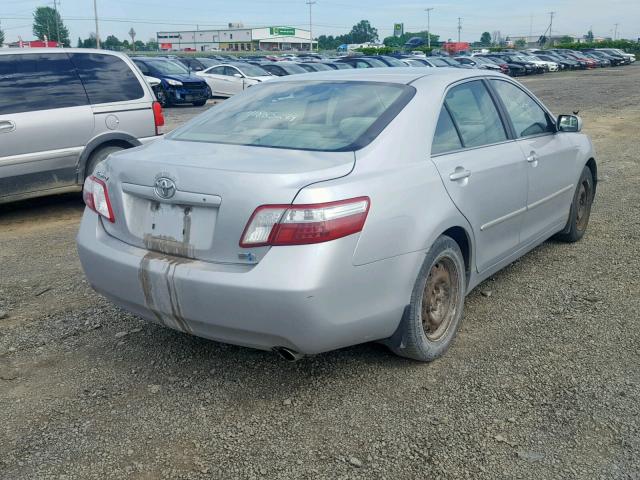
551	159
236	83
45	122
483	170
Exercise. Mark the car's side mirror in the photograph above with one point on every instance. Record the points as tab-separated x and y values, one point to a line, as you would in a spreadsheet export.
569	123
237	75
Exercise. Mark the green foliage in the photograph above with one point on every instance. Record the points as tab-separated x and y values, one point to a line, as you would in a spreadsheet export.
566	39
376	51
626	45
1	37
89	42
485	39
520	43
80	44
362	32
152	45
48	23
589	36
139	45
399	42
112	43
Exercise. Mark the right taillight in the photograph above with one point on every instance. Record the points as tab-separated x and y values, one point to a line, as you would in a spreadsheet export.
305	224
158	117
96	197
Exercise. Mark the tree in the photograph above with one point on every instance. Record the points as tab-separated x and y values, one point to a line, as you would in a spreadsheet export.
363	32
566	39
139	45
48	23
80	44
90	42
589	36
112	43
126	45
1	37
152	45
485	39
521	43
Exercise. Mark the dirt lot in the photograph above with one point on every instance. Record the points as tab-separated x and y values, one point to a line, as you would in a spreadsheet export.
542	382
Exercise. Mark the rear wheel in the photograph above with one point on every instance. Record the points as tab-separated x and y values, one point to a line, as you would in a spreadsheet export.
162	96
580	209
437	302
99	155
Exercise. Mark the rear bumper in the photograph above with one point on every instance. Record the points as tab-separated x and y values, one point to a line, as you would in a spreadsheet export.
309	298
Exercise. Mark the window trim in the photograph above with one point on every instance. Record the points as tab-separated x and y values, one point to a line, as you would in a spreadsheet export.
506	112
507	129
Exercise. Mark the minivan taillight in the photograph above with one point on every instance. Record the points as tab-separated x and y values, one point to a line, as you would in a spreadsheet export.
304	224
158	117
96	197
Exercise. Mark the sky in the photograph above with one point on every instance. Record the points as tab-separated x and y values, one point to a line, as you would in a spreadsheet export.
572	17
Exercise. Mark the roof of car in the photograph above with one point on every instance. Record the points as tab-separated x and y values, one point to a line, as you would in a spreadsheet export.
23	51
404	75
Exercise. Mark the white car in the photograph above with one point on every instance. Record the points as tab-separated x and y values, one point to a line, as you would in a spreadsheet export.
550	66
228	79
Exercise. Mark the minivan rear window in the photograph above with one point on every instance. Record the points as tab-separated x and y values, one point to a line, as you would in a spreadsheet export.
303	115
38	81
107	78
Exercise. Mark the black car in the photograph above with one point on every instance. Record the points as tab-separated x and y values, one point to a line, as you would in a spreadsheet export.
281	69
515	70
529	67
614	60
177	84
387	60
337	65
314	66
564	63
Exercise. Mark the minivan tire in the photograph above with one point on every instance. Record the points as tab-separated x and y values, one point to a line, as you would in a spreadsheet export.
441	283
98	155
200	103
580	209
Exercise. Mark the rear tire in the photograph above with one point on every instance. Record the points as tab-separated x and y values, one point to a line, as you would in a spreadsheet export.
99	155
200	104
163	97
437	301
580	209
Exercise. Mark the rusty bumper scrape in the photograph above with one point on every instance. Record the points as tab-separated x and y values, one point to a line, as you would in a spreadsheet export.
165	289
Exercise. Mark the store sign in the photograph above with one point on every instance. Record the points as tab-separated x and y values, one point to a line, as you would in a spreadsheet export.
166	46
398	29
282	31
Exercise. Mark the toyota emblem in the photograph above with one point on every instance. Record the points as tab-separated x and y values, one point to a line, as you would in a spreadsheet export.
165	187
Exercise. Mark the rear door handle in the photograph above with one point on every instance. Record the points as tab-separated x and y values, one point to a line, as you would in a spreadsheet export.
7	126
459	174
532	157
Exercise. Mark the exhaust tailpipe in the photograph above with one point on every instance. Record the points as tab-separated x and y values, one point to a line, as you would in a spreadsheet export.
288	354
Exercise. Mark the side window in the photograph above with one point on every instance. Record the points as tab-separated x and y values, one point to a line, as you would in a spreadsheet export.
217	71
474	113
143	67
107	78
527	116
230	71
446	137
30	82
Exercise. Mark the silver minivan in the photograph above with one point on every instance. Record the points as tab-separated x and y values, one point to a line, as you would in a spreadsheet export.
62	111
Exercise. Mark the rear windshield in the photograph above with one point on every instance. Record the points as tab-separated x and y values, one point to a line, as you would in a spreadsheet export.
321	115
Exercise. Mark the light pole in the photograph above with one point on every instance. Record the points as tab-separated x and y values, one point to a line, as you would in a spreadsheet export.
310	3
95	13
428	10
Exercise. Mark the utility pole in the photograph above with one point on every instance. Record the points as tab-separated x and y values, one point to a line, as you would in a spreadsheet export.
531	26
428	10
459	28
311	3
95	14
615	31
132	34
551	14
55	8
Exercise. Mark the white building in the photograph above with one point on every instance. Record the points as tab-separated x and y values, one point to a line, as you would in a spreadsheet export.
236	39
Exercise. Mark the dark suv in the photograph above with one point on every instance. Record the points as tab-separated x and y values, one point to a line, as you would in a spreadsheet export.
177	85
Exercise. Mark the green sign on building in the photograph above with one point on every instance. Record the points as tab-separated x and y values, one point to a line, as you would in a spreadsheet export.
282	31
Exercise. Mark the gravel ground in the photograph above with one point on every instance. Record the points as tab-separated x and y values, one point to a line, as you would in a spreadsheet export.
542	381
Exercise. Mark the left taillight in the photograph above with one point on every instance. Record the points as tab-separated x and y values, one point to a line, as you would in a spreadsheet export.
96	197
278	225
158	117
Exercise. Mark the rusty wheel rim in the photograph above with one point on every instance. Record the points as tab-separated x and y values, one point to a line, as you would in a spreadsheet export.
584	206
440	298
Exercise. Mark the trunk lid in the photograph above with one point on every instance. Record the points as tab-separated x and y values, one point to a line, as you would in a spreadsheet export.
211	189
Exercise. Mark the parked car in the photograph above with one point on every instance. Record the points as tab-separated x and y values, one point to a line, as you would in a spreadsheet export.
337	65
191	63
629	57
549	66
314	66
387	60
178	86
530	67
64	111
479	62
506	68
281	69
362	62
297	217
515	69
564	63
231	78
614	61
601	62
413	62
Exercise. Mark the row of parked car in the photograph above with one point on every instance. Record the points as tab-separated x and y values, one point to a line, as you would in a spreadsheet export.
180	80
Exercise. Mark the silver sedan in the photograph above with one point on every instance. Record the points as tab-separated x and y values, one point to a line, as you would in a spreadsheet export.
312	213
